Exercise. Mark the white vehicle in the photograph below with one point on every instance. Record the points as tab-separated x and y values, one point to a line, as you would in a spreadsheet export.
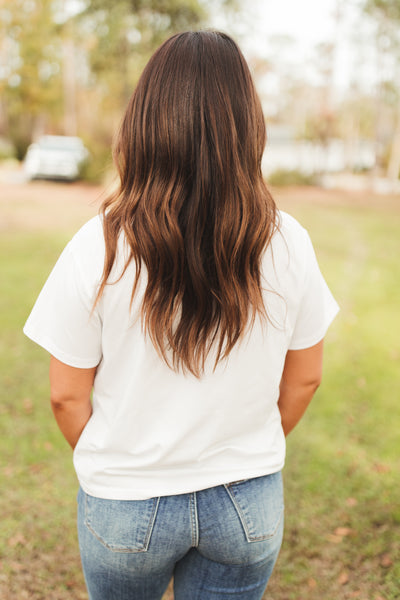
55	157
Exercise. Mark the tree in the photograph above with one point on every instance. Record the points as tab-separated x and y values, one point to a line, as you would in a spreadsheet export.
387	16
388	8
116	40
31	68
70	67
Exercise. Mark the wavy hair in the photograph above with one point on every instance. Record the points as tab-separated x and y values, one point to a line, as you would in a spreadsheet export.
191	202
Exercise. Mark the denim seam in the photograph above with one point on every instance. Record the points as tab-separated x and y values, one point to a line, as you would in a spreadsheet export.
194	519
251	538
125	550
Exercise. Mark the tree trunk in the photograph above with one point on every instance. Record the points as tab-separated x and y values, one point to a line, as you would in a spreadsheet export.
69	82
393	169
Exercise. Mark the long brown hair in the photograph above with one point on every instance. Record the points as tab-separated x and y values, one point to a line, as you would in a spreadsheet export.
192	202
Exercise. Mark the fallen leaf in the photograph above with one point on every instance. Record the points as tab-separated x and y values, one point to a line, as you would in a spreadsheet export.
312	583
8	471
16	539
351	501
28	405
335	539
16	566
36	468
386	561
355	594
343	578
343	531
381	468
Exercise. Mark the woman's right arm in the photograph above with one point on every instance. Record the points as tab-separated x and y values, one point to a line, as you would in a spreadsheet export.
70	390
300	379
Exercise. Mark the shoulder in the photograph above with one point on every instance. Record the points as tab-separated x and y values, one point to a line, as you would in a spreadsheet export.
290	237
87	247
90	233
289	227
289	254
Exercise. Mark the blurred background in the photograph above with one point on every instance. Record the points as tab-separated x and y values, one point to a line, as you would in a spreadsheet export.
328	74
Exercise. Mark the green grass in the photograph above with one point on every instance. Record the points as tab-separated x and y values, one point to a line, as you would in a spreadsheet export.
37	480
343	461
342	536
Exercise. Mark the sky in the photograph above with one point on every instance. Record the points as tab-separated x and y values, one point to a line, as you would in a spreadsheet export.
307	23
304	24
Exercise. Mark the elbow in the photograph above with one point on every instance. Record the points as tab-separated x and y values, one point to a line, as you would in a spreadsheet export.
59	399
318	380
314	377
311	384
62	400
315	382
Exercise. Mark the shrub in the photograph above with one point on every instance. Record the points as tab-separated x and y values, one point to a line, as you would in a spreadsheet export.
283	177
7	149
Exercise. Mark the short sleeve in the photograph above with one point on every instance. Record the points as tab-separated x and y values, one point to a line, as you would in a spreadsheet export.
62	320
317	307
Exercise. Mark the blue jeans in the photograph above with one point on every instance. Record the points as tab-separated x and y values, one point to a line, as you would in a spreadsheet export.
217	544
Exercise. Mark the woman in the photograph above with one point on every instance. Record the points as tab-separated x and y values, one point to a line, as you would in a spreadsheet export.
196	312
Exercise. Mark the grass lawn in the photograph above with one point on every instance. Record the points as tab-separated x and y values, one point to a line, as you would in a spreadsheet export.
342	537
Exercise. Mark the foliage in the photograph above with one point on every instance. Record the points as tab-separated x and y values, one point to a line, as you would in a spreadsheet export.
31	74
389	8
282	177
126	33
7	150
387	16
71	67
386	13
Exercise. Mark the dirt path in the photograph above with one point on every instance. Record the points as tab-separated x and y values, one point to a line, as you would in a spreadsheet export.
41	205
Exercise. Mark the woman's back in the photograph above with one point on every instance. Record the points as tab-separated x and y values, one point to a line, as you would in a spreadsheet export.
156	431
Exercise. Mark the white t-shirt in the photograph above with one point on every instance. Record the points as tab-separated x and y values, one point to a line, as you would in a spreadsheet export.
156	432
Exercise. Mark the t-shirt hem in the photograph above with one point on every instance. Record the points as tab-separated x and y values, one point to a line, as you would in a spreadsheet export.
144	492
48	345
317	336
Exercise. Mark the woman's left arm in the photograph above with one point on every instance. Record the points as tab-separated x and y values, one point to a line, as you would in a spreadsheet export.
70	390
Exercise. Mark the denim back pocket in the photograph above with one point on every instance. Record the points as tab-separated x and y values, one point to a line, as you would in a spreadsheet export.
259	504
121	525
